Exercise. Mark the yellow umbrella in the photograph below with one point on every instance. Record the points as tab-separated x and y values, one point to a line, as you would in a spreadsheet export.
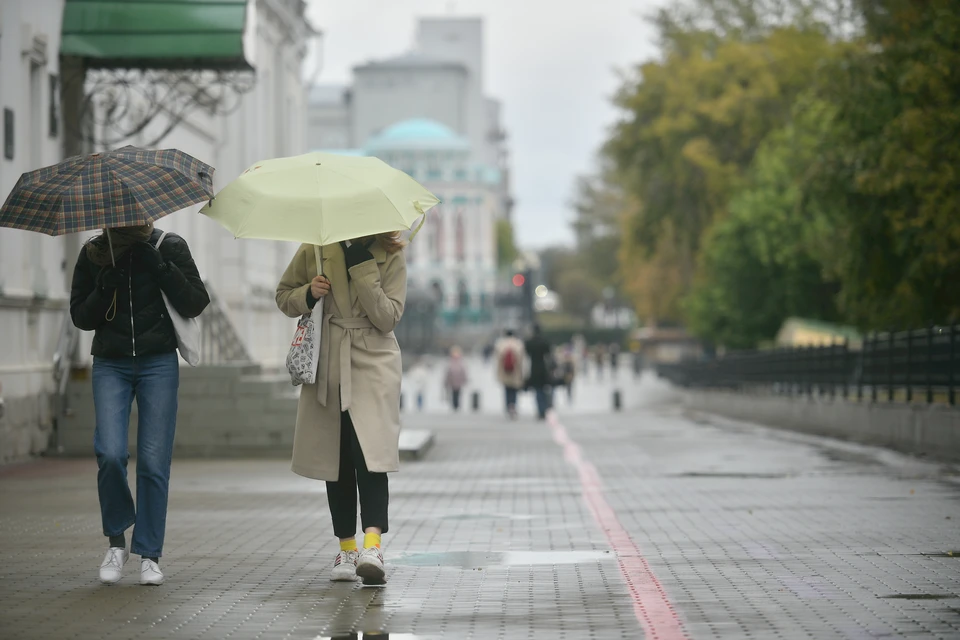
320	199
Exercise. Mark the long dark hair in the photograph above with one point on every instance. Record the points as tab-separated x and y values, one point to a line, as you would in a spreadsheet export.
391	241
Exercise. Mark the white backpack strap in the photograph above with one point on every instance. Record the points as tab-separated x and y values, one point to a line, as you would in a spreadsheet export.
160	241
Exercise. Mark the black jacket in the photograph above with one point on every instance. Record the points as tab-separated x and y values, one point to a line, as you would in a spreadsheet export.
540	362
141	326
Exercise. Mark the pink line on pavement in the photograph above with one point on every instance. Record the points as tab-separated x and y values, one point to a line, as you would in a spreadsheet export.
651	604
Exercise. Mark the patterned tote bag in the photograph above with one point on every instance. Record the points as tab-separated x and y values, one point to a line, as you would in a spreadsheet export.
304	354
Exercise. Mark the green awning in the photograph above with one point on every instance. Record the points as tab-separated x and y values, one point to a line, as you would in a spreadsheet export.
155	34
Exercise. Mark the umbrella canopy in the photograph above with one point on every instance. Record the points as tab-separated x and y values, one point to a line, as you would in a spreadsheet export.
122	188
319	198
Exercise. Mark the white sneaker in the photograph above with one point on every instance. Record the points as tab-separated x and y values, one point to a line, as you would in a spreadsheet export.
370	566
112	566
150	573
345	567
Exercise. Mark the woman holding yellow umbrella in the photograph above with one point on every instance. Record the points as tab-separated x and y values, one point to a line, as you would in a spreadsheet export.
348	421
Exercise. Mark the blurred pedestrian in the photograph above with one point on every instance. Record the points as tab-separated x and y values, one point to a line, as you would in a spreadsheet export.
540	380
614	359
417	379
568	370
637	361
456	378
116	293
488	350
348	422
510	355
599	355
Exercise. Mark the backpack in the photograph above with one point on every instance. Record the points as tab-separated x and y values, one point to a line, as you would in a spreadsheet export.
509	361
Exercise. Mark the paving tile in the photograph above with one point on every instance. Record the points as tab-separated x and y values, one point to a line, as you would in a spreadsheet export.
752	533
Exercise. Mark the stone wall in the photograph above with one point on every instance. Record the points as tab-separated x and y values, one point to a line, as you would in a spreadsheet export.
932	430
224	411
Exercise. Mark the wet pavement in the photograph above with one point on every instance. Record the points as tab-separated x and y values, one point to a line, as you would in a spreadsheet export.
647	522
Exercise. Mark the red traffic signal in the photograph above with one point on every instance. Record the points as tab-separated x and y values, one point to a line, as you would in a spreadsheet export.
518	280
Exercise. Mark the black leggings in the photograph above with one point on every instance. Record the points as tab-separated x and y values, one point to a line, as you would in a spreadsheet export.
342	494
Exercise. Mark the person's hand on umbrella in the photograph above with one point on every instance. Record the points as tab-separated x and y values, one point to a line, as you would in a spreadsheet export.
111	278
319	287
150	258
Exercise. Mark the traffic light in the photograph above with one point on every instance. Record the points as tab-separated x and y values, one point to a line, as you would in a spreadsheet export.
519	280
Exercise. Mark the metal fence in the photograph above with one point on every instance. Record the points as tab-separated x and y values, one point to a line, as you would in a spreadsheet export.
910	366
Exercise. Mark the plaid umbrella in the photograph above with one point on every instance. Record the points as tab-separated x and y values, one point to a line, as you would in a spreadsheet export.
122	188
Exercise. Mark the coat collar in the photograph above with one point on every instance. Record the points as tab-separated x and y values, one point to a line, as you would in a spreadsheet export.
378	252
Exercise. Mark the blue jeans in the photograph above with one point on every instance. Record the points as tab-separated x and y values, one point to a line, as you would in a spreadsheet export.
511	398
544	400
153	381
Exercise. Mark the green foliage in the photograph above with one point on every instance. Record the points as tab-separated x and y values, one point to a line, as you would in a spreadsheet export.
757	267
506	248
891	176
793	157
692	125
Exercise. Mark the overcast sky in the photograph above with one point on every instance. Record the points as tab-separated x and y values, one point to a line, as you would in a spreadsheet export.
552	64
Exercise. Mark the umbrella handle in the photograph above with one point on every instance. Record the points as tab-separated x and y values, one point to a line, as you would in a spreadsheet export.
316	253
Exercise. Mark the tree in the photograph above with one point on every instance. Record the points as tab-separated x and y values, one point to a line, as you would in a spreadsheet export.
887	188
757	267
598	205
579	293
691	126
506	248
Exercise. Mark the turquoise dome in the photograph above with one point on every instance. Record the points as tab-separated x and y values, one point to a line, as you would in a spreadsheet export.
418	133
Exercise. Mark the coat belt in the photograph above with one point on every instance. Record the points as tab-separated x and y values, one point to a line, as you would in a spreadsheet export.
348	325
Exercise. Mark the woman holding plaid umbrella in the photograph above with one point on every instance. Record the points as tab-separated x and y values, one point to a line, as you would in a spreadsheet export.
116	293
135	355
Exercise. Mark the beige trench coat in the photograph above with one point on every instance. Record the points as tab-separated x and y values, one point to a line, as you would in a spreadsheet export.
359	366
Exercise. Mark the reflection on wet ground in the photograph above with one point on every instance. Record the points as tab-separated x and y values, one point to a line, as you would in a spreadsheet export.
481	560
379	635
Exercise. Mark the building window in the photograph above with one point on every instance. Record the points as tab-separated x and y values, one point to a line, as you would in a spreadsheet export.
434	174
461	238
438	239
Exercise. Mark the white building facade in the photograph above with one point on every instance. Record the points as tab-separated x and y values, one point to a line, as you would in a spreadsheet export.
33	291
35	270
455	254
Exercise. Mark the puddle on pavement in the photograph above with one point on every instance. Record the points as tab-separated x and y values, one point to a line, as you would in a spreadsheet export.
486	516
920	596
370	635
479	560
730	474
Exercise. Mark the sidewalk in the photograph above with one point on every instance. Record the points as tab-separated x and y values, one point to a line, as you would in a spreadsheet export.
687	529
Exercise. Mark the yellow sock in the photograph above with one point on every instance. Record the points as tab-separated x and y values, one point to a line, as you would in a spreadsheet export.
348	545
371	540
